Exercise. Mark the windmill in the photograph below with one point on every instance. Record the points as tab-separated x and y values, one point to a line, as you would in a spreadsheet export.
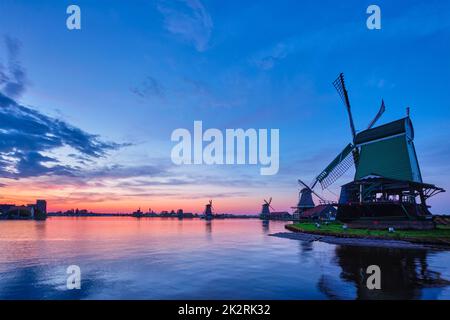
265	210
138	213
209	210
387	177
305	200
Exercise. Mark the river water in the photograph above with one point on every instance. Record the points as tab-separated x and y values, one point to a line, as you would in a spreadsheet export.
156	258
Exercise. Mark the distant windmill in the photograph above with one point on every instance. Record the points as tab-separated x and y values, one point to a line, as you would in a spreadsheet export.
209	210
305	200
265	210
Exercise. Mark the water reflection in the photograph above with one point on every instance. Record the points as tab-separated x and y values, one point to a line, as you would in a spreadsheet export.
265	226
306	246
405	273
128	258
208	228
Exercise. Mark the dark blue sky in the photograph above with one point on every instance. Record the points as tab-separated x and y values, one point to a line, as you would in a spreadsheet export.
140	69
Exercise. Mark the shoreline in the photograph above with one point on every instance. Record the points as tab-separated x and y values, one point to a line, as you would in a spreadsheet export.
344	238
358	242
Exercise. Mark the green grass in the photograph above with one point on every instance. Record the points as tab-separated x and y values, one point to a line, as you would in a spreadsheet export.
441	233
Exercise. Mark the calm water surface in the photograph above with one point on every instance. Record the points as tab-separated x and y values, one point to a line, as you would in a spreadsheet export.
127	258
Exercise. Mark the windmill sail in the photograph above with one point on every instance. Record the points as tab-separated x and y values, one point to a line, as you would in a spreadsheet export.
337	167
339	84
310	189
380	112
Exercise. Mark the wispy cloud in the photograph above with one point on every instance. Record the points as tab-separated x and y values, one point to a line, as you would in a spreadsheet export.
148	88
189	20
428	20
268	58
199	94
29	137
26	135
119	171
203	94
13	79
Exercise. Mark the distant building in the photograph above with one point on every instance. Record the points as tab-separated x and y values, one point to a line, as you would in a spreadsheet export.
280	216
32	208
4	208
41	205
36	211
20	212
188	215
164	213
40	210
320	212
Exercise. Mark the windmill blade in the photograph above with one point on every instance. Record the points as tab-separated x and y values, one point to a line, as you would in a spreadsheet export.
378	116
271	207
339	84
300	182
310	189
338	166
270	200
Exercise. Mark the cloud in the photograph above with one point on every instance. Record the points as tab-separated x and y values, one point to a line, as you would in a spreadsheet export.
189	20
161	176
150	87
428	20
198	93
268	58
419	20
203	95
13	79
86	197
211	195
119	171
26	135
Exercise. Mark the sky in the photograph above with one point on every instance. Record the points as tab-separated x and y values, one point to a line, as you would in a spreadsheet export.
87	115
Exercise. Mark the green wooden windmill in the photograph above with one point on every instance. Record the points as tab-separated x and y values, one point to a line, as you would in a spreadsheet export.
387	188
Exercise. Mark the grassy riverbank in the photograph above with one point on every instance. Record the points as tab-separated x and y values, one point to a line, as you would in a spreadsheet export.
441	235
